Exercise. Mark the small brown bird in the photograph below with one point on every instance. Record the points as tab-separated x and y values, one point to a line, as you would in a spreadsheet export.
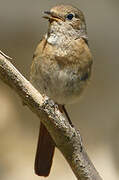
60	69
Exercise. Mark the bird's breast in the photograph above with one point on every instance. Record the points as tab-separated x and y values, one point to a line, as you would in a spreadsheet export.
62	73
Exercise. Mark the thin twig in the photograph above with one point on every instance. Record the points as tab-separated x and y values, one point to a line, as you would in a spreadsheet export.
6	56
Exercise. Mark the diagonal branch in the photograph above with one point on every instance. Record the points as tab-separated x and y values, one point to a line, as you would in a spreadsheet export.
67	138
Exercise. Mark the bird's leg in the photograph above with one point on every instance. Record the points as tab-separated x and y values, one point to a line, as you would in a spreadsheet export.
63	109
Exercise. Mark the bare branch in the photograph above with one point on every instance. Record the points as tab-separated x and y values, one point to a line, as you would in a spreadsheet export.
66	138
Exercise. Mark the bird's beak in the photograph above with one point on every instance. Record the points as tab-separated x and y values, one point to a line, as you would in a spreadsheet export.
51	17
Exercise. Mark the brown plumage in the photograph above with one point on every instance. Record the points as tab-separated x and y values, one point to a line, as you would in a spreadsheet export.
61	69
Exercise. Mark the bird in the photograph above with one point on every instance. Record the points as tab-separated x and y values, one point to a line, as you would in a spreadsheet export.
61	69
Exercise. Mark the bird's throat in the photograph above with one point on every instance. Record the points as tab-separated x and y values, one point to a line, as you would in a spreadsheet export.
61	33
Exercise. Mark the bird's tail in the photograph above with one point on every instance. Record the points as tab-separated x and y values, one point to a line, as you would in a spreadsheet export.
44	153
45	148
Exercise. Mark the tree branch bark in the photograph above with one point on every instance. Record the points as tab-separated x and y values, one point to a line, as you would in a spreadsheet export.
66	138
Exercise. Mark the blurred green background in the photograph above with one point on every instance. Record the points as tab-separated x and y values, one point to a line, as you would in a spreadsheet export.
97	113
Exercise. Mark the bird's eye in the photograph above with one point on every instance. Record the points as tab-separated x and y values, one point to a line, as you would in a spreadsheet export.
70	16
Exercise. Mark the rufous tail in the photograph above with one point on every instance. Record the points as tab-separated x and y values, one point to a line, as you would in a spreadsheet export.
44	153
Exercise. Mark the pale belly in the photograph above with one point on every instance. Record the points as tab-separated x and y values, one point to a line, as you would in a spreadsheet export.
64	86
